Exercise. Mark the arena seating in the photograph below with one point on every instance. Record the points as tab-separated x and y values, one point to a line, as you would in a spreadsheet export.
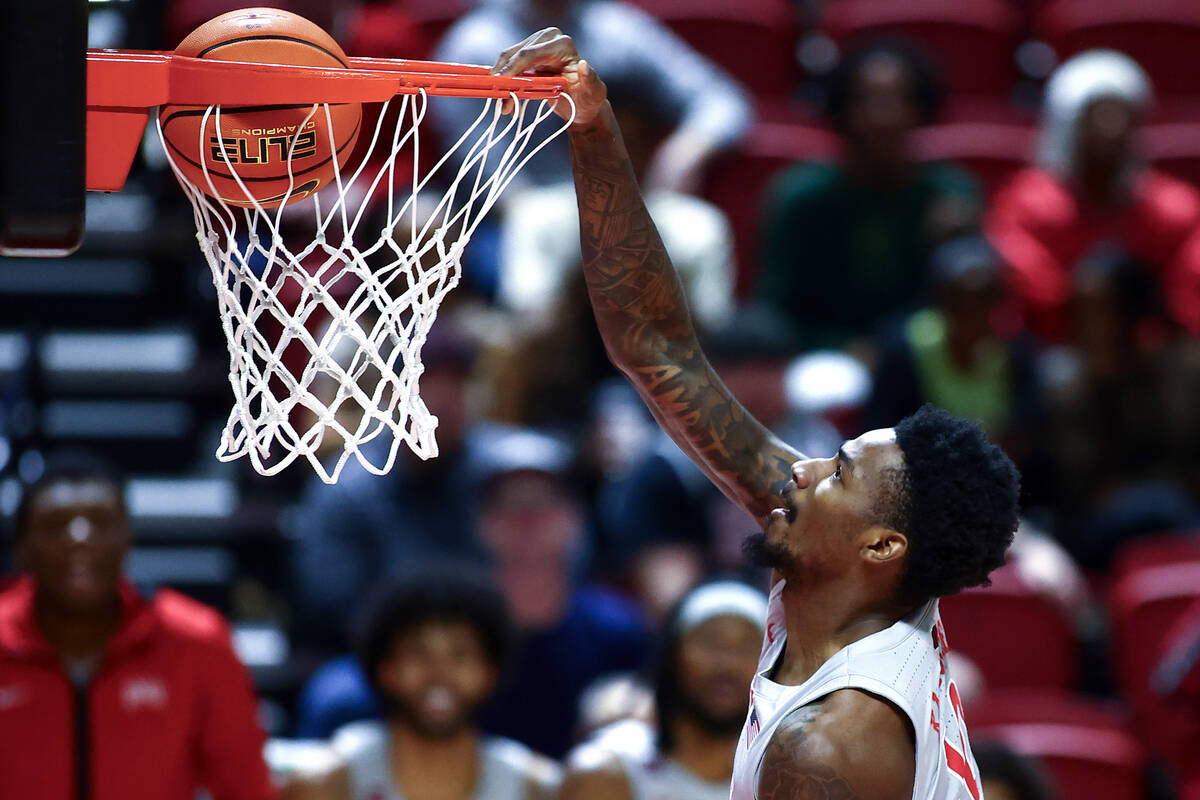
992	151
1145	602
1028	641
725	32
1160	34
1174	148
973	42
1085	745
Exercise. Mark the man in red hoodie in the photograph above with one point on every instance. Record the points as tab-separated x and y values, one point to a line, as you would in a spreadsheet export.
104	694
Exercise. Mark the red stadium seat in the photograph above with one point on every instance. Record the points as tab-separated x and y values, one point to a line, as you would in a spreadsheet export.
1017	637
737	181
973	41
1154	551
993	152
1145	603
1162	35
1175	149
754	40
1084	744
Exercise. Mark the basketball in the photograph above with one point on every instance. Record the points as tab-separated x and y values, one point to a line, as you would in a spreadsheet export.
257	142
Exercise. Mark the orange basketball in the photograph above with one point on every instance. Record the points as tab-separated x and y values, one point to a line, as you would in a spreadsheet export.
257	140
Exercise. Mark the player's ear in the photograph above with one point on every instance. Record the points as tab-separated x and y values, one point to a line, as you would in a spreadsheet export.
882	545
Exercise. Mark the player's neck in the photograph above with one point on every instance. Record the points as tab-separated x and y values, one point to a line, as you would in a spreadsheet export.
707	756
821	621
427	768
78	635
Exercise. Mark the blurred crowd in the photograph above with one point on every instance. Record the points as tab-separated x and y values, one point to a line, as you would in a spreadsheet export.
556	605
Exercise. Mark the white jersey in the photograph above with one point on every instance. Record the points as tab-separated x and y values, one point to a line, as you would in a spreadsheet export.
651	775
506	768
905	664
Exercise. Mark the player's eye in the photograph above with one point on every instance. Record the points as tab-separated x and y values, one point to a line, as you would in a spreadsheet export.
837	474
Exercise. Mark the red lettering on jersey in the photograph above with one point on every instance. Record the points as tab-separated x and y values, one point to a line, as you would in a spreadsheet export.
956	760
771	632
959	766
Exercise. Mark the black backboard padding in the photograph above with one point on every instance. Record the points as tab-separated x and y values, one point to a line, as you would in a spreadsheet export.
43	97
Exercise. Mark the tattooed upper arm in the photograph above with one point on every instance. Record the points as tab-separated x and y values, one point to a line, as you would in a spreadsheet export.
849	745
642	315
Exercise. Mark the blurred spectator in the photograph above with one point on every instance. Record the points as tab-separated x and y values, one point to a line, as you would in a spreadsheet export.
107	693
668	524
346	536
710	651
530	523
547	375
1091	186
434	646
707	109
540	233
952	355
846	245
1005	774
1121	424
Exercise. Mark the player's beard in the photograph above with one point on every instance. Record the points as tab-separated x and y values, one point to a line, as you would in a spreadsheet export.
712	724
767	555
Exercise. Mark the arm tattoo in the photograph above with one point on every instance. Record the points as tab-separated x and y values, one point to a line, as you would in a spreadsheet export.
643	318
788	775
784	782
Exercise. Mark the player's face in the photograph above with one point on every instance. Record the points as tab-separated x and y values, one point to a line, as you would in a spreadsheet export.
438	675
530	520
717	660
829	505
74	543
882	113
1106	131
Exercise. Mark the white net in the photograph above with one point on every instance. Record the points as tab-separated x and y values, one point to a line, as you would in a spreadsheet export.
325	338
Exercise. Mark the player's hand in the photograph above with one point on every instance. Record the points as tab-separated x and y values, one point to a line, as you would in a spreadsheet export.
552	52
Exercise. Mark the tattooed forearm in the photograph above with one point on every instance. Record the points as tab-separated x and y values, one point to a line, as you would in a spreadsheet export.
643	318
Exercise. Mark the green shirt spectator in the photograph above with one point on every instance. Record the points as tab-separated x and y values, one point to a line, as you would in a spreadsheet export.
862	249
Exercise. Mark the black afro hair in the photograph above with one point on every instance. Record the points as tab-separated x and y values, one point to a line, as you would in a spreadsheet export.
68	466
924	78
434	592
957	501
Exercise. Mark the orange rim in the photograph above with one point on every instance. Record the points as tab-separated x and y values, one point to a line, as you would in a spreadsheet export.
123	85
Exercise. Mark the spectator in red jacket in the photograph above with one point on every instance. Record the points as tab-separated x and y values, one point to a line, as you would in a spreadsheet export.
1090	187
106	695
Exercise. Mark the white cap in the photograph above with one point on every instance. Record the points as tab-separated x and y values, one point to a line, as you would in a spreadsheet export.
719	599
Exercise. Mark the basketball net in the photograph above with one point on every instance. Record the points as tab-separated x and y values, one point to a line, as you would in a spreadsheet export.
361	297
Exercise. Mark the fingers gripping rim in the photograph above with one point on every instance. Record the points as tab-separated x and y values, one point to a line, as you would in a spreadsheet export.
325	334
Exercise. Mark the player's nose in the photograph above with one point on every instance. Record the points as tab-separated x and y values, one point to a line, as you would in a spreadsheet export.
811	470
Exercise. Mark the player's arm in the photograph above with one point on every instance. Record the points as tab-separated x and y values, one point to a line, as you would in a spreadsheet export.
849	746
639	302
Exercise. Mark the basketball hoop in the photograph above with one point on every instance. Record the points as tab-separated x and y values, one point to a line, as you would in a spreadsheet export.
375	277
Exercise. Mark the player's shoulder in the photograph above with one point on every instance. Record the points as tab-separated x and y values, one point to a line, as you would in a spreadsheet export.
356	739
541	775
806	182
186	619
850	743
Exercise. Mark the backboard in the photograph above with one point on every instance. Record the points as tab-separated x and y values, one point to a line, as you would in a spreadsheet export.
43	75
